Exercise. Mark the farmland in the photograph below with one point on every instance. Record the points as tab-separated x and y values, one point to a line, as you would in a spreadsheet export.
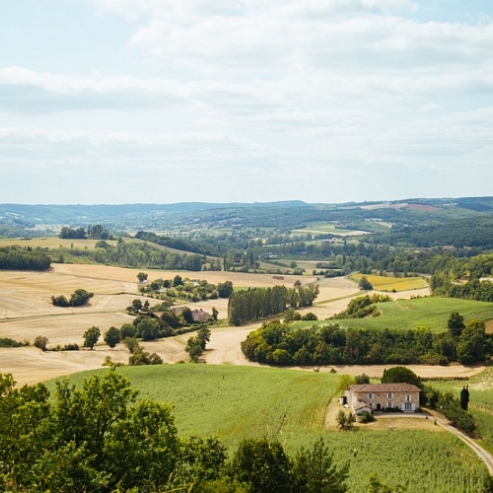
431	312
237	402
386	283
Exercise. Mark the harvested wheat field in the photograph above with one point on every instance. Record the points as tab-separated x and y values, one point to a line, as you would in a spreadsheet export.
26	312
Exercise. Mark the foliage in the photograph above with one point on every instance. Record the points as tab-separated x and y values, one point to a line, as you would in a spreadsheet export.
364	284
8	342
282	344
41	342
345	421
78	298
464	398
112	337
17	258
363	306
196	345
361	379
401	374
258	303
91	337
455	324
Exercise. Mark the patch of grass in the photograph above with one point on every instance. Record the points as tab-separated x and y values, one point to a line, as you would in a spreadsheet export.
431	312
234	402
391	284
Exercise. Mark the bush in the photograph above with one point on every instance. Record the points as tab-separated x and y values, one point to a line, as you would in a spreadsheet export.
366	417
41	342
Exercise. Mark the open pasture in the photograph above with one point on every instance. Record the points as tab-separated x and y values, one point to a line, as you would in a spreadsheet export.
431	312
237	402
384	283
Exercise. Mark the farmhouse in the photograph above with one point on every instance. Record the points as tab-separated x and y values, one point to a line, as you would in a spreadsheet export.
384	396
198	314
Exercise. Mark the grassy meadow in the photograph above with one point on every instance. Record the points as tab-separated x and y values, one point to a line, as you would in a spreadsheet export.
237	402
431	312
52	242
393	284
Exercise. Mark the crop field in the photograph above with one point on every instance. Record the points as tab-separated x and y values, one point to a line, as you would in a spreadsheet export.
324	228
52	242
383	283
238	402
431	312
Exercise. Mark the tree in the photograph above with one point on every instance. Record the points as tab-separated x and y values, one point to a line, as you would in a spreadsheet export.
215	313
187	315
314	471
225	289
264	465
112	337
91	337
401	374
364	284
472	344
142	277
455	324
464	398
194	349
204	336
344	382
345	421
362	379
41	342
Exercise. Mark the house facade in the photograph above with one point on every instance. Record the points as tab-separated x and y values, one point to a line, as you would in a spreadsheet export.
384	396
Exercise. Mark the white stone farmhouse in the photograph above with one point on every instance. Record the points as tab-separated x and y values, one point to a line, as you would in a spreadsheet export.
383	396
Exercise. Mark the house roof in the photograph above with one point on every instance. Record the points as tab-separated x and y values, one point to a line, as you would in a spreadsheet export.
384	387
361	405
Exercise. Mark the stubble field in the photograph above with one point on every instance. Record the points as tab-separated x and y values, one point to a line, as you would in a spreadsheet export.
26	312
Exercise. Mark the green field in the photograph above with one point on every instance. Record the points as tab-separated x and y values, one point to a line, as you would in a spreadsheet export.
430	312
237	402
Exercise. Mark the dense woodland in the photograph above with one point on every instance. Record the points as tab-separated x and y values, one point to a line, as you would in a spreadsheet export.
329	344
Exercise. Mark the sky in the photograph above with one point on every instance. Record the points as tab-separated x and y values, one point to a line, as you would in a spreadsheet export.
164	101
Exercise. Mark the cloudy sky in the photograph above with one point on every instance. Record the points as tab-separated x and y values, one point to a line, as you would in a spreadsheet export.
124	101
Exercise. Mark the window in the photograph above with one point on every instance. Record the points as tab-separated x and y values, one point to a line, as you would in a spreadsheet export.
370	396
390	395
390	405
408	398
408	406
371	405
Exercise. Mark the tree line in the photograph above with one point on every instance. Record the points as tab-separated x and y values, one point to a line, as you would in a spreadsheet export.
280	344
17	258
257	303
97	231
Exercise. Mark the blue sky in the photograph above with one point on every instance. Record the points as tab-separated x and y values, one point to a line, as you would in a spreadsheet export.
122	101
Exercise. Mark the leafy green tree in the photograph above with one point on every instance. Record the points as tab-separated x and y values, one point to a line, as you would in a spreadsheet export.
187	315
194	349
142	276
455	324
112	337
345	421
364	284
401	374
91	337
472	345
225	289
263	465
315	472
204	336
361	379
148	329
345	381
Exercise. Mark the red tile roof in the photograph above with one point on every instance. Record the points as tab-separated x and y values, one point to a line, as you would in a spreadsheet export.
384	387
